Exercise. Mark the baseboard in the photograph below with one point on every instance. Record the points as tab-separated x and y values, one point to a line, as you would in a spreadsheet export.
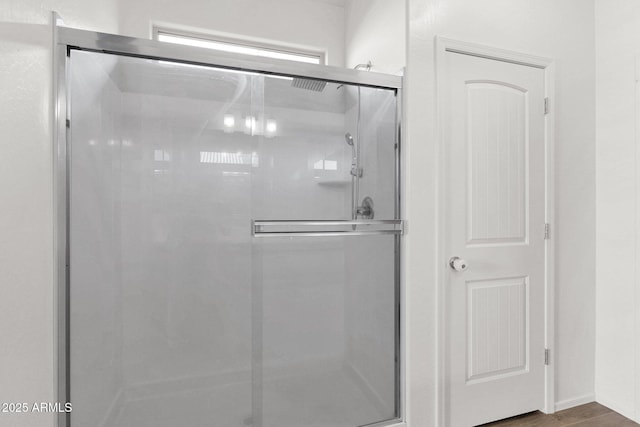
625	411
576	401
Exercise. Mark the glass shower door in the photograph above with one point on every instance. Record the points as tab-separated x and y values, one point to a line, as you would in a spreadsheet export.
160	296
325	281
225	270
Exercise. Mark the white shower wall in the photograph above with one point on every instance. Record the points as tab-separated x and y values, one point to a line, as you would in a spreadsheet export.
187	242
187	309
376	31
202	221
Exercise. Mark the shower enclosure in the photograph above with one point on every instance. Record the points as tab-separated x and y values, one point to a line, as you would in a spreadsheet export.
214	267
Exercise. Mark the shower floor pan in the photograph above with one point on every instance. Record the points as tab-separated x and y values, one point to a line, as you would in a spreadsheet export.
338	399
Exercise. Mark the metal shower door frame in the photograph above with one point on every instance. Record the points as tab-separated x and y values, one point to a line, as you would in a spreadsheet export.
65	40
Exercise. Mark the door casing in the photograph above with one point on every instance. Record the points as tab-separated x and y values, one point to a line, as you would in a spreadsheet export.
444	45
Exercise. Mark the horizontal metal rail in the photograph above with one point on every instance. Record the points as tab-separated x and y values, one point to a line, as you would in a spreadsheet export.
153	49
300	228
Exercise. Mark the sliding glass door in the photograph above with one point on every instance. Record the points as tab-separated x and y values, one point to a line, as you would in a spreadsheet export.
233	247
326	293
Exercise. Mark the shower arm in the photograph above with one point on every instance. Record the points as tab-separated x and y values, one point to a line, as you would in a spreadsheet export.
366	67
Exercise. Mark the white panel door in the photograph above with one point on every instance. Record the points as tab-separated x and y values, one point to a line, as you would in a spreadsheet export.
495	204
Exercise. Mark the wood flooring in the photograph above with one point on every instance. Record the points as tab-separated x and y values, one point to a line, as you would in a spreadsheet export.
589	415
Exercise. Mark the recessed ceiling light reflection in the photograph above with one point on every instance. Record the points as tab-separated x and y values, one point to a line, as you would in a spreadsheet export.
250	124
229	122
272	126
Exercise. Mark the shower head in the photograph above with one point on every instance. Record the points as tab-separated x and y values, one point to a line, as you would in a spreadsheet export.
349	138
309	84
356	172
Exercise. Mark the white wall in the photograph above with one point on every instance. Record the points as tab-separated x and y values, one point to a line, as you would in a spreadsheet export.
617	337
375	30
296	23
560	30
26	216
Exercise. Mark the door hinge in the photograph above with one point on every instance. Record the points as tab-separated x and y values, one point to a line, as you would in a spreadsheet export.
546	105
547	231
68	123
547	356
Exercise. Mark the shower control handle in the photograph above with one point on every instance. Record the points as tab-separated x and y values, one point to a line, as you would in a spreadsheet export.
458	264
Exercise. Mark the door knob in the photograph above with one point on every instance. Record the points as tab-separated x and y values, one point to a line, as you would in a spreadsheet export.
458	264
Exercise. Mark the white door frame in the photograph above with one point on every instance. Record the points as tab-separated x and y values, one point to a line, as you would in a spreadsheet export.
637	237
444	45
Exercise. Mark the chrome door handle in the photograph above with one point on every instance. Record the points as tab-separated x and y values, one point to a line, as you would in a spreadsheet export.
274	228
458	264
